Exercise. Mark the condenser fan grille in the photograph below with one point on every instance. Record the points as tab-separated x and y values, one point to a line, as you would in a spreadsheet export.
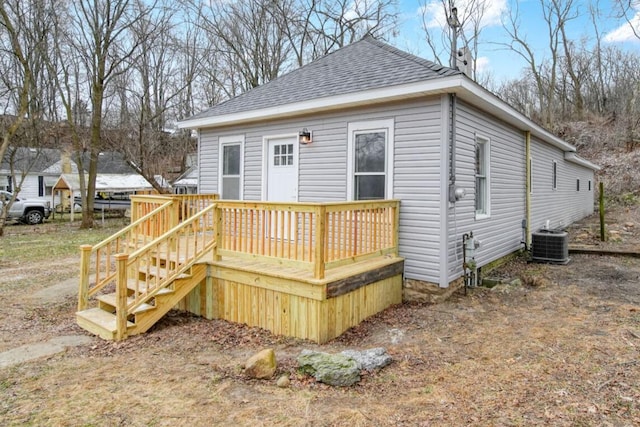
550	246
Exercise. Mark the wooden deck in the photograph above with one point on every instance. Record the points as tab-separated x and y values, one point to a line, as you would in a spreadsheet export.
288	301
304	270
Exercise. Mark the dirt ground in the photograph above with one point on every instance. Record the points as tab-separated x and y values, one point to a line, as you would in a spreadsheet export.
560	349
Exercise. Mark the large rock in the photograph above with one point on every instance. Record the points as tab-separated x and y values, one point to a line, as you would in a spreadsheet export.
371	359
261	365
333	369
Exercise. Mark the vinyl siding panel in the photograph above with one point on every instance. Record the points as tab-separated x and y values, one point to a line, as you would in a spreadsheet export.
323	169
565	204
208	163
30	187
417	185
500	233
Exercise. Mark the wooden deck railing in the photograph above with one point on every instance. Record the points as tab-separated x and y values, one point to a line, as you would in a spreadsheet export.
160	262
313	236
98	263
151	217
310	236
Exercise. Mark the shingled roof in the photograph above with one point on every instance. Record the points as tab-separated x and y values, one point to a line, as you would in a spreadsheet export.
363	65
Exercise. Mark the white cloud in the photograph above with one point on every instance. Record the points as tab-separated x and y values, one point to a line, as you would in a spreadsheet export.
482	64
624	33
435	16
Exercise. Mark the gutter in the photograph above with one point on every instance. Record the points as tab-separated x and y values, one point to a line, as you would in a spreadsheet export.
574	158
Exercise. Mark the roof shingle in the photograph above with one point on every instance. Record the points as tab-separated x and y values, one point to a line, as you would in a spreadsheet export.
363	65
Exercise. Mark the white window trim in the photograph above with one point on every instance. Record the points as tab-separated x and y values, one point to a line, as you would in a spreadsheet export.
231	140
487	153
387	125
554	175
265	161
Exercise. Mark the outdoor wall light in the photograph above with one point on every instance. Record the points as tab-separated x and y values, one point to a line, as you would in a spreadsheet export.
305	136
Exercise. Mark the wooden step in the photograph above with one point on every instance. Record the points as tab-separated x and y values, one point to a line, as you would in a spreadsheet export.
108	303
99	322
160	272
131	285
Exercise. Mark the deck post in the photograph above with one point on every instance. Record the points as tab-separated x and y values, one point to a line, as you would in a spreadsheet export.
85	259
217	223
121	296
321	212
395	228
174	213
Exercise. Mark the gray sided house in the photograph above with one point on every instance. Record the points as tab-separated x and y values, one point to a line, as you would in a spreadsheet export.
385	124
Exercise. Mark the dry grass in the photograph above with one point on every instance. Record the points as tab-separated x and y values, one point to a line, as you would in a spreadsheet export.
565	353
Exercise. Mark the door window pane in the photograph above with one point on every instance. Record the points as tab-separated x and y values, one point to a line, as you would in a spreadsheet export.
231	188
283	155
231	162
230	185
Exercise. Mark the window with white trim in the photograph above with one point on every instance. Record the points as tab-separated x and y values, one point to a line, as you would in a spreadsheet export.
370	160
482	172
230	168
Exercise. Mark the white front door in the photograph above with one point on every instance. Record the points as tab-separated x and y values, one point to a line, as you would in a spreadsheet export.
282	183
282	170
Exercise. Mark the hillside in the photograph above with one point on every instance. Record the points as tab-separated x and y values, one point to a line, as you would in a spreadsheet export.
605	143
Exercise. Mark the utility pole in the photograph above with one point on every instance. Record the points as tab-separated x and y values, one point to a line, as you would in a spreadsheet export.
454	24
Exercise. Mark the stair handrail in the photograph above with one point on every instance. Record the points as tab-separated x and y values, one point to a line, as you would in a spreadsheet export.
141	296
86	252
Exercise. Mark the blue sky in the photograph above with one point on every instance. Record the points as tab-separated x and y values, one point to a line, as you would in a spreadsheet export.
497	60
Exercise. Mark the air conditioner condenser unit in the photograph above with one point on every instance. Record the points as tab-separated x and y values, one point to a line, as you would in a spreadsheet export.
550	246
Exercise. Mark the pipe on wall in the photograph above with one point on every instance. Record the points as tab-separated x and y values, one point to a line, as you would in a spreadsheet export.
529	173
452	148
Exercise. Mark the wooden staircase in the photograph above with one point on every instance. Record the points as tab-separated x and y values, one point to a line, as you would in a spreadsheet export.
101	320
134	285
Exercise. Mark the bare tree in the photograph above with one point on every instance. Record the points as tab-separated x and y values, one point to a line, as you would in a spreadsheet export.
24	37
556	14
99	36
249	41
465	22
337	23
628	10
149	93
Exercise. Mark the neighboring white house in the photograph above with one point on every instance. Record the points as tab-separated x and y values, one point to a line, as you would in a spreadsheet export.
369	121
34	171
43	168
